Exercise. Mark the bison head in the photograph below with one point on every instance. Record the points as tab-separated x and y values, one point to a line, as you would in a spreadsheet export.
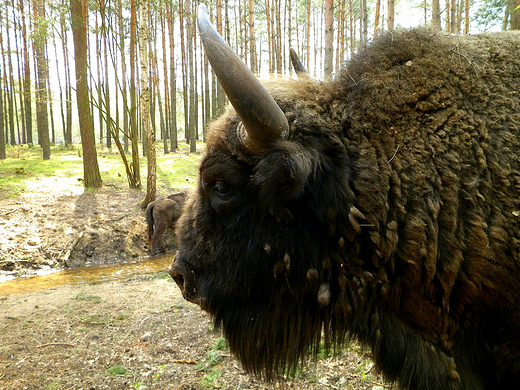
257	234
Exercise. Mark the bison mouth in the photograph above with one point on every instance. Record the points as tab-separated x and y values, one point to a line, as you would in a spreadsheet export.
187	282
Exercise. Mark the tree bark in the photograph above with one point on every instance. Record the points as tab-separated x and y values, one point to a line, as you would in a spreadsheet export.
144	37
78	11
436	15
135	181
42	115
329	38
173	82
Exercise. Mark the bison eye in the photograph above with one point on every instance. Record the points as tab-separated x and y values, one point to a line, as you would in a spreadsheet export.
222	188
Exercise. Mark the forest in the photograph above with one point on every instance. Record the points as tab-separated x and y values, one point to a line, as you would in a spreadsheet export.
132	75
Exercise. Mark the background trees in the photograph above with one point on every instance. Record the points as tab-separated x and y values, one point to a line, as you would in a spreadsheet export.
39	97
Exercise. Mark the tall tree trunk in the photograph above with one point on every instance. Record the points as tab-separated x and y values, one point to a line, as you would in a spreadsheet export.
8	78
514	14
252	41
466	16
42	117
191	133
106	86
436	15
308	35
329	38
124	74
173	82
2	128
68	83
78	12
144	37
166	125
376	18
19	67
390	16
135	181
26	78
184	66
221	95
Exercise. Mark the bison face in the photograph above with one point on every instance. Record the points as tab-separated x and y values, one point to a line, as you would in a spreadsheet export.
254	242
258	235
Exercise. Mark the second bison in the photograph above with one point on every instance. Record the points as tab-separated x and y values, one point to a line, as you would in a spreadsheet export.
161	215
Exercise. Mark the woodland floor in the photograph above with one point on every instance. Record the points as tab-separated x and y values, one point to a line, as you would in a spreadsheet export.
136	333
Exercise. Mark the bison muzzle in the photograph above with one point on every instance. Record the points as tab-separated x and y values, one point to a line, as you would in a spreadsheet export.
382	206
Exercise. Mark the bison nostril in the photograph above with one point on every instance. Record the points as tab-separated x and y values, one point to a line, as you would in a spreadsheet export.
179	279
177	276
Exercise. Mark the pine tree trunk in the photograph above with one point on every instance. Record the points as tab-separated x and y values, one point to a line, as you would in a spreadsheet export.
173	83
78	11
144	37
135	182
42	117
329	38
436	15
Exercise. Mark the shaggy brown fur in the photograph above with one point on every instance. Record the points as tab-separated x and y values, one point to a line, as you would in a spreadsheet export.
390	215
161	215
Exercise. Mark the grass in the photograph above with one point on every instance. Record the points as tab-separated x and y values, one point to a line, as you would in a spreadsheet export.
118	370
210	364
24	168
83	296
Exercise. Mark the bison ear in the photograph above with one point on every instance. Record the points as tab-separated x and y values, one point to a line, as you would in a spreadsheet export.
282	173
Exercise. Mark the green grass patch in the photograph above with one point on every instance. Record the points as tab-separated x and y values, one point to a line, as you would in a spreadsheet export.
211	377
24	169
83	296
118	370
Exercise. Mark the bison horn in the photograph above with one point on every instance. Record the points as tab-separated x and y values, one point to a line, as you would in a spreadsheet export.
297	64
261	116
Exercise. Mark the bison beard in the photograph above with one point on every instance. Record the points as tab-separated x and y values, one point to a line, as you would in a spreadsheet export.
390	214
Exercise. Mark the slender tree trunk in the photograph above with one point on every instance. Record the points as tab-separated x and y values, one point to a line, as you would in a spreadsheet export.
19	67
466	16
106	86
221	95
124	74
68	84
308	34
252	41
436	15
135	182
166	125
2	128
8	78
184	67
26	78
193	96
173	82
78	11
42	117
390	16
144	37
376	18
329	38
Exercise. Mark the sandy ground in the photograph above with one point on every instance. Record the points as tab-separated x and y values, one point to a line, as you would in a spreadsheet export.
133	333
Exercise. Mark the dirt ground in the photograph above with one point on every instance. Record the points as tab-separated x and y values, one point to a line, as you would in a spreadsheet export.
135	333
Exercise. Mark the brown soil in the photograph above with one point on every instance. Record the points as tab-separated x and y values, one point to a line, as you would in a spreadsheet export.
137	333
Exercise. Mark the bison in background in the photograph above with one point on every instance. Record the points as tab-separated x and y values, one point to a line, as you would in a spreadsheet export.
161	215
382	206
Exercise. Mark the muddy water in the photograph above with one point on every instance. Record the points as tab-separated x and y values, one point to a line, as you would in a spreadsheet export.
86	275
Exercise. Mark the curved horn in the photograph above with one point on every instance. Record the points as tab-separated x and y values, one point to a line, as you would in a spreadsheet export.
261	116
297	64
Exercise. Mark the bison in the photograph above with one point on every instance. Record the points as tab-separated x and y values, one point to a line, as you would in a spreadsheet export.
161	215
382	206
